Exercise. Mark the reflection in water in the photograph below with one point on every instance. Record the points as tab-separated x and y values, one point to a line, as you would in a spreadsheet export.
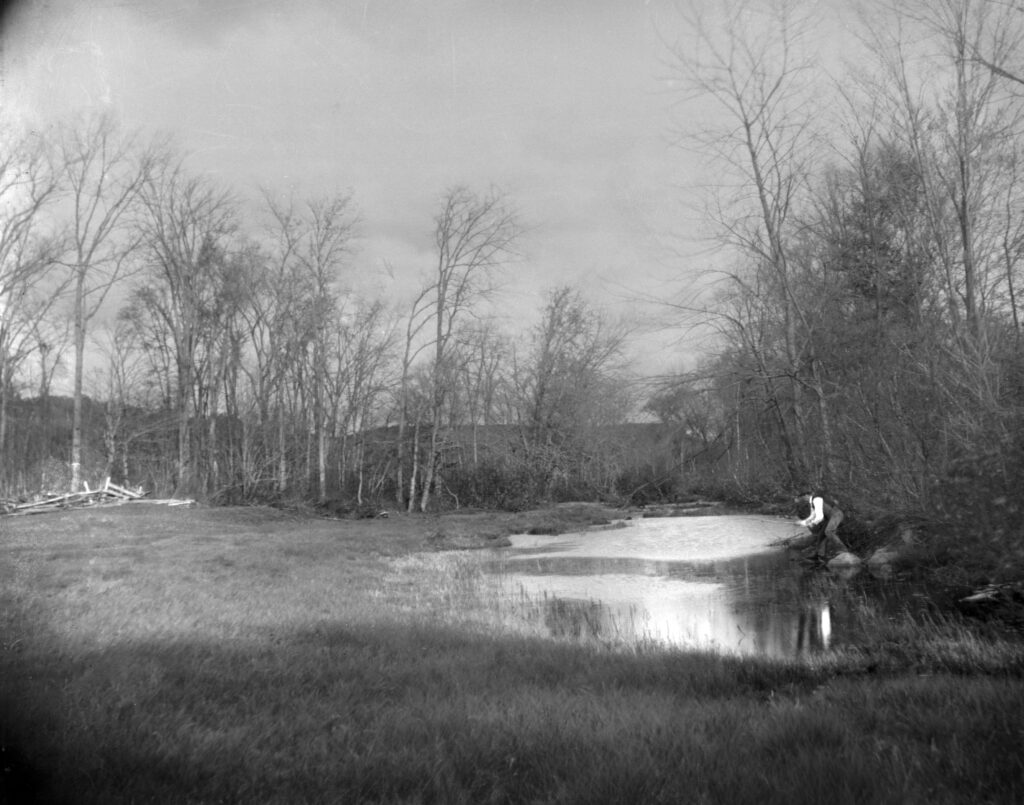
814	628
710	583
699	616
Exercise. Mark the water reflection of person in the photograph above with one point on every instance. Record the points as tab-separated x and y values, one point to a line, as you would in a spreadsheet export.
814	628
823	521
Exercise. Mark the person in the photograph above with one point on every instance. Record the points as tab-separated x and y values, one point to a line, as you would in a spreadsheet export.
823	521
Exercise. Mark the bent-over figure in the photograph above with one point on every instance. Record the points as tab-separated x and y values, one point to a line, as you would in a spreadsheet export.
823	521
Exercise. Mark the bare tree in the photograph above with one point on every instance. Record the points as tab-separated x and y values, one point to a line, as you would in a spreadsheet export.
186	223
473	235
750	60
363	375
485	352
574	349
104	171
960	136
130	413
315	242
269	317
416	321
573	385
28	251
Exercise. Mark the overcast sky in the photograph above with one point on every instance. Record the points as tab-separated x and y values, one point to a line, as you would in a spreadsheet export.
566	105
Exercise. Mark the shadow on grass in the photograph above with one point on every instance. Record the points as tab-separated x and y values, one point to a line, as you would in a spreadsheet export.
388	712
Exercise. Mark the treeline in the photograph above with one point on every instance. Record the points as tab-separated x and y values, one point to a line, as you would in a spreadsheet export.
480	465
868	299
232	361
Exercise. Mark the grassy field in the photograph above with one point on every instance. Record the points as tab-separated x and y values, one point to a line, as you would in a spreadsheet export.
251	656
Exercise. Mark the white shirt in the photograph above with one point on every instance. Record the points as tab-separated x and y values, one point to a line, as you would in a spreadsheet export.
817	513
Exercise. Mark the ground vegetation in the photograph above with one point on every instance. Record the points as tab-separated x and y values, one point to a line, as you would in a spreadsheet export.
251	654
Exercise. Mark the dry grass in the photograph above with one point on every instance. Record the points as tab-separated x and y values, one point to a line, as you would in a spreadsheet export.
251	656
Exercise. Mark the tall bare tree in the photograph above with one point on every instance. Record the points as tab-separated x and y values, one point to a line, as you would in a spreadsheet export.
104	171
364	353
474	235
572	385
416	321
751	60
29	249
315	240
185	228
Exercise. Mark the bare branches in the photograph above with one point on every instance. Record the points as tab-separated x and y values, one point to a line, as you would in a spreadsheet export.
192	290
753	64
474	236
105	172
29	250
576	352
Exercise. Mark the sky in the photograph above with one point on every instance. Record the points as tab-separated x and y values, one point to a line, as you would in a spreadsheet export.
566	106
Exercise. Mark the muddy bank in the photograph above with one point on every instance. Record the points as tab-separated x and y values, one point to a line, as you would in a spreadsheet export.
470	529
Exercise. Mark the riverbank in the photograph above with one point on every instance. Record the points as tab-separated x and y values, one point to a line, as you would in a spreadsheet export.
252	655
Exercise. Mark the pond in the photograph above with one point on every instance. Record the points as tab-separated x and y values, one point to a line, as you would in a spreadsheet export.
713	582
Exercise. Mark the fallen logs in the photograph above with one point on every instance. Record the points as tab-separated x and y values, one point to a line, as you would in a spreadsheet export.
108	494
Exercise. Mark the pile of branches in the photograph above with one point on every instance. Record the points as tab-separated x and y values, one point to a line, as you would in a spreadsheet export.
109	493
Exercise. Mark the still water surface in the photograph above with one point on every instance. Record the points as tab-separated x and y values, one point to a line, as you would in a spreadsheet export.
703	582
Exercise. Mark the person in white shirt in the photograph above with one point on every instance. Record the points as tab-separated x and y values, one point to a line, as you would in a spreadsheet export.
823	521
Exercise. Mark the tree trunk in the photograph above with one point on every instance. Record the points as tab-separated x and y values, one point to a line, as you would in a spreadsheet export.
213	477
3	406
76	415
184	437
321	456
826	423
413	469
282	456
360	460
430	464
400	453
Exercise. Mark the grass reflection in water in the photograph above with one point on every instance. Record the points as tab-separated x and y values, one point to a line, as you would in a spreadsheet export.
621	611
